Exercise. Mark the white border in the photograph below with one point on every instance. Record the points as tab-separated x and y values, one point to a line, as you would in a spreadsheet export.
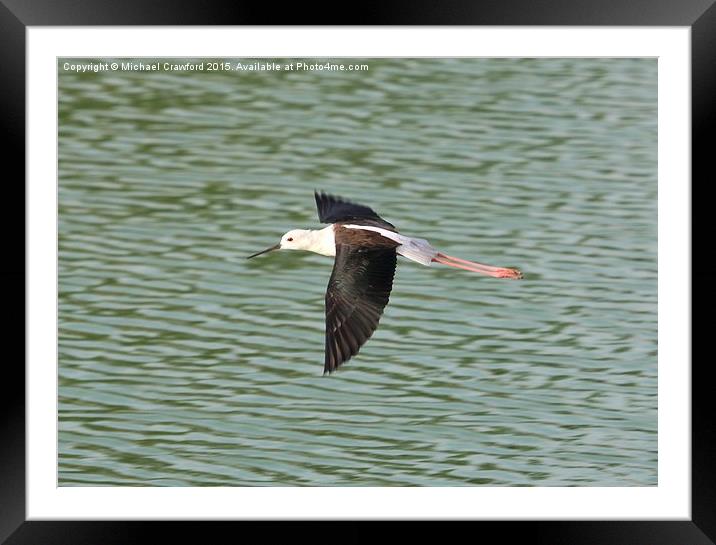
670	500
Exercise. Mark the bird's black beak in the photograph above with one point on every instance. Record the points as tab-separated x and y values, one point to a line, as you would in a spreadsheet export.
271	249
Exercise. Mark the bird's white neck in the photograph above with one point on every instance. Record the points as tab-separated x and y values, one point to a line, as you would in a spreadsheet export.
322	241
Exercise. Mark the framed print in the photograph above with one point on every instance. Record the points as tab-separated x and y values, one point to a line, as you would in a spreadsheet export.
170	378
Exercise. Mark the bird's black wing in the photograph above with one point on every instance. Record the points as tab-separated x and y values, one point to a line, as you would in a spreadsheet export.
357	293
333	209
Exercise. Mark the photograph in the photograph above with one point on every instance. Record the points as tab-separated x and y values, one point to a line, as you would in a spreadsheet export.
357	271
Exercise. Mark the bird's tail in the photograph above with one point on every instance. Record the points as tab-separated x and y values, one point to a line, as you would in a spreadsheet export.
489	270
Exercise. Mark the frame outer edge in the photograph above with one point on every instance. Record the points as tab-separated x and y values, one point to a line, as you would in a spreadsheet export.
12	273
703	122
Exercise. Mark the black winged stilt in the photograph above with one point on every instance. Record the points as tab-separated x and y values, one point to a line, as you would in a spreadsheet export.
365	247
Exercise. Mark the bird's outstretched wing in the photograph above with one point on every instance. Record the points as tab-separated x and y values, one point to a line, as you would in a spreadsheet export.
357	293
332	209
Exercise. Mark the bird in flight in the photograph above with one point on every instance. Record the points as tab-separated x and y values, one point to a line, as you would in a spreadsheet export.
365	247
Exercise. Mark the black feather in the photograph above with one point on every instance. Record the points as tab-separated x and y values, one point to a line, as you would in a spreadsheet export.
332	209
358	291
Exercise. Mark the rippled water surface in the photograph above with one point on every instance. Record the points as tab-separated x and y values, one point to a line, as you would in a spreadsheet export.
183	364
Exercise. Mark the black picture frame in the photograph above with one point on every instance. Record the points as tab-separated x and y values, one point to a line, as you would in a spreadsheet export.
16	15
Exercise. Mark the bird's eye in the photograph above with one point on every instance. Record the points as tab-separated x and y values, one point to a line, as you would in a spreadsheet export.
290	239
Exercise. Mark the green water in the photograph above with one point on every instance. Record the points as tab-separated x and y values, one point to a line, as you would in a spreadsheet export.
183	364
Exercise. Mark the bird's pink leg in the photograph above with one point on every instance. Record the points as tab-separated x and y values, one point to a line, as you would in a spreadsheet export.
489	270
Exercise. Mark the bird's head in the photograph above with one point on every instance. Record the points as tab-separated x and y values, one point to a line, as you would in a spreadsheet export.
297	239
